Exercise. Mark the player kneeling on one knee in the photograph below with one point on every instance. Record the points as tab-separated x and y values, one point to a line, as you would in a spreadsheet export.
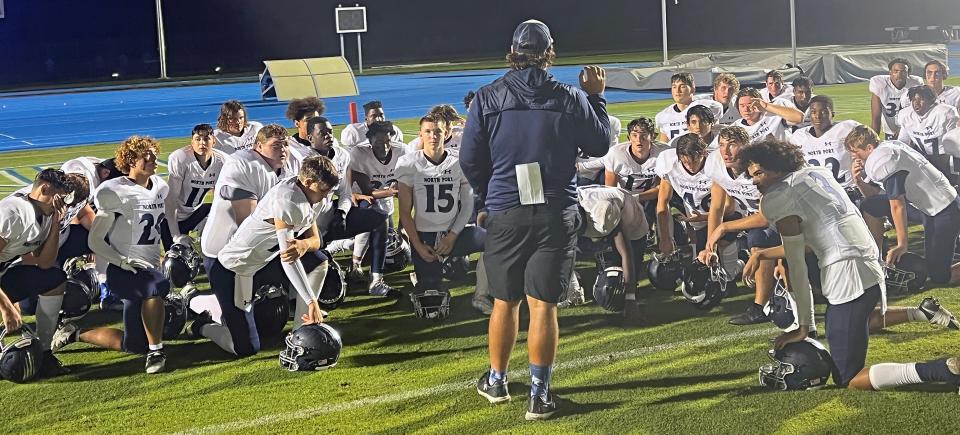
278	243
432	183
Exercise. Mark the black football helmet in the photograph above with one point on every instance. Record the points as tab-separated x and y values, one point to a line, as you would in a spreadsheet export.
665	271
334	289
175	316
20	359
181	264
907	276
311	347
271	310
781	309
398	252
802	365
455	268
76	268
704	285
431	304
609	290
76	301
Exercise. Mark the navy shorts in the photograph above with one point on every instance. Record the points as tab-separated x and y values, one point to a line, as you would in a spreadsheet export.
879	206
530	251
766	237
470	240
848	333
21	281
940	234
75	245
139	285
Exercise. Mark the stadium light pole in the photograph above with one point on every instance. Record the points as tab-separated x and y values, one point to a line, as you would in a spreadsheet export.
793	31
663	18
161	43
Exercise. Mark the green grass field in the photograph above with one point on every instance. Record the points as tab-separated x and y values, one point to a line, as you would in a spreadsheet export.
680	371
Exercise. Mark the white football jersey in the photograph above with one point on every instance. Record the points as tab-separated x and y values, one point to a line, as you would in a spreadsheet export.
244	170
341	160
634	176
949	96
355	134
86	166
950	144
712	145
741	188
255	242
672	121
437	190
606	207
139	216
769	125
926	188
615	126
789	102
452	143
693	189
22	227
230	144
729	113
832	225
786	92
381	174
189	181
828	150
890	98
925	132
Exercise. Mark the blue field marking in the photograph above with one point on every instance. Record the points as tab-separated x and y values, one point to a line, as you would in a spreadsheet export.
56	120
16	176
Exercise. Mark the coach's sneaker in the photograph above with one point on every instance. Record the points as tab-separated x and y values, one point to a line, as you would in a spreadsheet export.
496	392
51	367
482	304
752	316
64	335
937	314
156	361
380	288
196	328
541	407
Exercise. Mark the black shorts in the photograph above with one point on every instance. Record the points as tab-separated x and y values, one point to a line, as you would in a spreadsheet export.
21	281
530	251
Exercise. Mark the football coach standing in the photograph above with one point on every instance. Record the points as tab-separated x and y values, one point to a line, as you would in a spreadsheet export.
521	139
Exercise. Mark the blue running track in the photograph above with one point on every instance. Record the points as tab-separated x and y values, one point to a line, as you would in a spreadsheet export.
77	118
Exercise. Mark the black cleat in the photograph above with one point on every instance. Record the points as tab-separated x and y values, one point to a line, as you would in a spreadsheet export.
937	314
754	315
196	328
540	409
51	366
496	393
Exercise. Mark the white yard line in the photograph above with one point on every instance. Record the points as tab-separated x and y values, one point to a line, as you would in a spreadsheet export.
464	385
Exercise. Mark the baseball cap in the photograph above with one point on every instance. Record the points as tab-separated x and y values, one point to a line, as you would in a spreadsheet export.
531	37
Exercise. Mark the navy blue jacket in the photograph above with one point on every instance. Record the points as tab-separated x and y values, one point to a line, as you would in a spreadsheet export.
523	117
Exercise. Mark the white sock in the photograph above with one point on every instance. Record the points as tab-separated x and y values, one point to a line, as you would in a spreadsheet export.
915	315
153	347
890	375
374	277
360	246
298	313
220	335
48	312
728	259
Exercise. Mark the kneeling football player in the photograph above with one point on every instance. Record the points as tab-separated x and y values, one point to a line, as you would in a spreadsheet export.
432	184
278	244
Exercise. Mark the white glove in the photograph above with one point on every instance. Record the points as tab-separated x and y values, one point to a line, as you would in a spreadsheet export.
183	239
134	265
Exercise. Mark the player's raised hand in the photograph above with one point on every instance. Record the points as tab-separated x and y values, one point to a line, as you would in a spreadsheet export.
593	79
